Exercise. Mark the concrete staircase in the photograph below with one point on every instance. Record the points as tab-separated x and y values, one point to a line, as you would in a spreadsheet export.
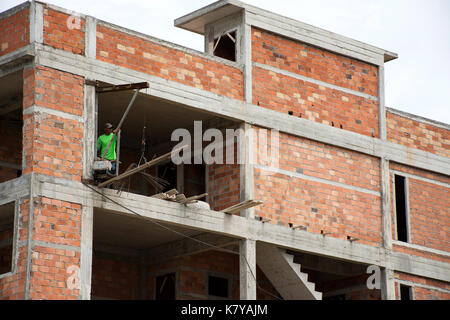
284	274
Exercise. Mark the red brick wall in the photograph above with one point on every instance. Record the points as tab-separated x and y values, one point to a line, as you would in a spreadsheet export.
57	33
10	149
193	272
194	279
146	56
294	56
13	286
114	279
15	31
421	293
311	101
49	273
417	135
429	209
314	102
316	159
53	145
53	89
223	185
56	222
320	206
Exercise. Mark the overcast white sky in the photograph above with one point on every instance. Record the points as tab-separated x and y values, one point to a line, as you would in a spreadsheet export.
418	30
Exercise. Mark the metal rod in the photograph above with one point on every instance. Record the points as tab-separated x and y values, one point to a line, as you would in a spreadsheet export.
146	165
121	121
118	154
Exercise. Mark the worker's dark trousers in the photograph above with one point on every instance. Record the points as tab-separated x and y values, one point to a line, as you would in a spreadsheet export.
113	168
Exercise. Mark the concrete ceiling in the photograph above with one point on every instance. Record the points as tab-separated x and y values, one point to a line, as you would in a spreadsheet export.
160	117
126	231
11	97
10	86
7	213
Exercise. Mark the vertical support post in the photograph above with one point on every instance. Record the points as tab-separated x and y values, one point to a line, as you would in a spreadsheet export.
91	37
90	130
407	211
247	269
207	199
142	279
246	168
246	48
30	232
381	104
36	22
87	224
386	204
387	285
180	178
118	154
89	153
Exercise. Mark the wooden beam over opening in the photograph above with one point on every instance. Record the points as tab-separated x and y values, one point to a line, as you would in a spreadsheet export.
241	206
112	88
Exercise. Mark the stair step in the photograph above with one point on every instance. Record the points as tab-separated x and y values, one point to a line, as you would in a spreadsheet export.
285	274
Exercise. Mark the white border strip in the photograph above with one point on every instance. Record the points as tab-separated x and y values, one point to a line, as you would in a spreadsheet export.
61	114
425	286
421	248
320	180
413	176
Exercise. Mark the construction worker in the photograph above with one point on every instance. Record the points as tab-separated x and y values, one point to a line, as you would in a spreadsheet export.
102	144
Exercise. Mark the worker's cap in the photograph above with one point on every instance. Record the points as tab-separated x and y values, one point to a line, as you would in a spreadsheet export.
108	125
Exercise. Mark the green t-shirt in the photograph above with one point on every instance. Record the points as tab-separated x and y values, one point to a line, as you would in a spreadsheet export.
102	144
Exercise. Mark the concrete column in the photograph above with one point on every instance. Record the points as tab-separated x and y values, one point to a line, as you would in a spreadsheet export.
36	22
87	223
90	103
247	269
247	58
180	178
29	240
381	106
387	278
386	204
90	130
247	187
91	37
387	284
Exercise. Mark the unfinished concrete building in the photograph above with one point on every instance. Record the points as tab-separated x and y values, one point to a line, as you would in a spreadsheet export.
359	188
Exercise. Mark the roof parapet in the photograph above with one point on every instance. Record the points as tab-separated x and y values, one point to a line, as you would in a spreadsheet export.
197	20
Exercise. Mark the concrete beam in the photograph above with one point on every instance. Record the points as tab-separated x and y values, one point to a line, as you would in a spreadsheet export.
328	265
16	60
184	247
247	269
241	227
239	111
14	189
417	118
